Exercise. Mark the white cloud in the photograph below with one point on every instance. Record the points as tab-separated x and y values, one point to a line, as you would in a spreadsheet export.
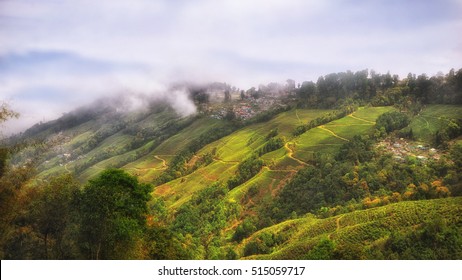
145	44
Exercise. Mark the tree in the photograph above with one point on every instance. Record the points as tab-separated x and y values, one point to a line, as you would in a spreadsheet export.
6	113
113	215
199	96
227	96
243	95
52	215
391	121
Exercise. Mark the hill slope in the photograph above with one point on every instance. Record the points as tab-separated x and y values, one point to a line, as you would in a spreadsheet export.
367	230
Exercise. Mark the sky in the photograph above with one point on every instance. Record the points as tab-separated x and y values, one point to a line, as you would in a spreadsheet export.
59	54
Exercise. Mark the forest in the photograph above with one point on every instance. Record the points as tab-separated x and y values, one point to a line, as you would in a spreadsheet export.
240	189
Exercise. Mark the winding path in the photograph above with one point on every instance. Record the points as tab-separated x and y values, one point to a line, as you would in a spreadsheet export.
164	163
291	153
354	117
333	133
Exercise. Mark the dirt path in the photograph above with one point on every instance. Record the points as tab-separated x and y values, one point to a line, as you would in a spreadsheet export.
354	117
333	133
291	153
337	223
164	163
226	161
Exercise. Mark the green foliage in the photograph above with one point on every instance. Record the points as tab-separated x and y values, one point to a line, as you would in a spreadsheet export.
203	217
6	113
245	170
435	240
428	229
314	187
392	121
343	111
3	158
53	214
359	149
245	229
271	145
177	166
262	244
323	250
272	133
113	214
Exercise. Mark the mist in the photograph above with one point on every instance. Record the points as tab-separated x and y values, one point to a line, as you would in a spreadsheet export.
59	55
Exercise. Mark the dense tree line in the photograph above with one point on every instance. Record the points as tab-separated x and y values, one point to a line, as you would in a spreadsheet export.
380	89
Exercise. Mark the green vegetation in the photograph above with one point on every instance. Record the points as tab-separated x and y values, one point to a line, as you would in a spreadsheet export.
355	166
113	211
392	121
437	120
380	233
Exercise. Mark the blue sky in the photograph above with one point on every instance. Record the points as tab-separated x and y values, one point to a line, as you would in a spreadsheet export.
57	54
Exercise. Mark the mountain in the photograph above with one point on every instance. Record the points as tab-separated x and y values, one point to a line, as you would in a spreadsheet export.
267	175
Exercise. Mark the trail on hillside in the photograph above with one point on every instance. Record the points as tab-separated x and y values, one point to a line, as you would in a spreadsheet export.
337	223
296	113
164	163
333	133
225	161
354	117
291	153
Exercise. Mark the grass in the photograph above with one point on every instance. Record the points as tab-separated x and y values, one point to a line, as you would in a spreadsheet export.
329	137
431	119
371	113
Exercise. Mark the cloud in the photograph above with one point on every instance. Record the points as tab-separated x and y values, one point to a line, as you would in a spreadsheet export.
80	50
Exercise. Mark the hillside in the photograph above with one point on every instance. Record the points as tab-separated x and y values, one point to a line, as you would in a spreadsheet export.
361	234
297	173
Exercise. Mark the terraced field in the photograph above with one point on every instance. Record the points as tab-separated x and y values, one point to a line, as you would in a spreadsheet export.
363	228
232	149
431	119
329	137
150	166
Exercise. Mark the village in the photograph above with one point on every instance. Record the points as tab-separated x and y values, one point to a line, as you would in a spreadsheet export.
403	149
243	106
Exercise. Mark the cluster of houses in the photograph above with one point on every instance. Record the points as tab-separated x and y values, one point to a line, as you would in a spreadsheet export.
245	109
402	149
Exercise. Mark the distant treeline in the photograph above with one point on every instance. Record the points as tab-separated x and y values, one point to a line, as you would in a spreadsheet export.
380	89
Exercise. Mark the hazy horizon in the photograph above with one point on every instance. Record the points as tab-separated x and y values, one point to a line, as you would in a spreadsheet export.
57	55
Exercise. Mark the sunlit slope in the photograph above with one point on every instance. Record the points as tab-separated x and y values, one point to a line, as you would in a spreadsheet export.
329	137
360	229
433	118
229	151
148	167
